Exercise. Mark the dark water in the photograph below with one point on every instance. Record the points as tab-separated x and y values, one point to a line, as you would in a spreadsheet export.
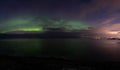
77	49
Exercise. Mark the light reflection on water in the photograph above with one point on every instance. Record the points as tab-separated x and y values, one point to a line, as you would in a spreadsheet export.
110	48
71	48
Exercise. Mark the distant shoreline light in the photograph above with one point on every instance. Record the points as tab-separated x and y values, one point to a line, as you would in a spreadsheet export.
113	33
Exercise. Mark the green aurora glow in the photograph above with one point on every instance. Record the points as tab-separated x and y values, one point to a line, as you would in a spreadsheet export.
31	24
31	29
36	29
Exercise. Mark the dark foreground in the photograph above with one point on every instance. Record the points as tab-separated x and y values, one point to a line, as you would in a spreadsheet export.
59	54
51	63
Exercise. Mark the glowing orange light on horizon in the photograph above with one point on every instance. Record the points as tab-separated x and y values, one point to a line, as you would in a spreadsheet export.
113	33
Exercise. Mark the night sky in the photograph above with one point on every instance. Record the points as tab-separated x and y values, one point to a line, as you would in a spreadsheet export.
96	13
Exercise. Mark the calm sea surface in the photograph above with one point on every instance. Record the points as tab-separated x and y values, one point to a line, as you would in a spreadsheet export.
67	48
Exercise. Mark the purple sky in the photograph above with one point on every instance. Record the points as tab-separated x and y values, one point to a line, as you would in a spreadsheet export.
99	12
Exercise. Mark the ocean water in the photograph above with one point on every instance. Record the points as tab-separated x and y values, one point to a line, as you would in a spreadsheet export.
78	48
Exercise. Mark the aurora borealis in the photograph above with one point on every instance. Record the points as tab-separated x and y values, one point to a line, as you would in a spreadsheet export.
103	15
28	24
37	29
